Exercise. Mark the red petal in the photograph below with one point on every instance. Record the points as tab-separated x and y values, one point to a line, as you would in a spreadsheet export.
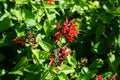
50	1
70	39
66	53
98	77
51	62
23	43
66	21
57	35
56	40
58	26
16	40
114	77
71	22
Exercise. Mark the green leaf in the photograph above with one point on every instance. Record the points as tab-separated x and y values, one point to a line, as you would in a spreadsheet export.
91	74
51	14
84	70
3	0
21	1
48	5
17	12
4	24
28	16
2	72
99	32
107	74
49	27
66	69
33	68
82	77
85	74
22	63
98	63
45	46
113	62
40	55
111	57
2	40
18	72
71	60
116	63
63	76
2	57
45	27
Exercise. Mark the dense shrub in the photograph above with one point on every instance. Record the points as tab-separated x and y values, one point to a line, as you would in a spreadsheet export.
59	39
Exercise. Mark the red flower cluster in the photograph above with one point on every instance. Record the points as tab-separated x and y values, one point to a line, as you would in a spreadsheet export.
58	57
29	38
19	41
68	30
50	1
98	77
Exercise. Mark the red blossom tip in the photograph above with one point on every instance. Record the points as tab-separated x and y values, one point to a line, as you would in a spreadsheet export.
58	26
98	77
71	22
70	39
16	40
66	21
50	1
114	76
23	43
51	62
57	35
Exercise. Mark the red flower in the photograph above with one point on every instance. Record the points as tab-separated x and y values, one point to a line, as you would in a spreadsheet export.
65	30
70	39
23	43
57	35
66	53
98	77
58	26
72	33
68	30
16	40
66	22
50	1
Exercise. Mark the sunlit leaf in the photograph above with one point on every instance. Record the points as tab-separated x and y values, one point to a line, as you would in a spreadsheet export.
2	72
21	1
111	57
66	69
45	46
84	70
48	5
28	16
63	76
17	12
71	60
16	72
3	0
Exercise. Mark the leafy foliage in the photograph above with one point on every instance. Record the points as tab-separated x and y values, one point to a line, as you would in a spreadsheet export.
59	39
